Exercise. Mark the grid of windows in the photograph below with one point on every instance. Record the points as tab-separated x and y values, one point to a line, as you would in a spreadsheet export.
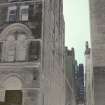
13	13
16	47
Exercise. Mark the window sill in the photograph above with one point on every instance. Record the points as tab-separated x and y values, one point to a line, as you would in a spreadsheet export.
35	64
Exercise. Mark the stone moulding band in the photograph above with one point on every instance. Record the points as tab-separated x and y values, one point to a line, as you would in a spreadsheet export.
15	28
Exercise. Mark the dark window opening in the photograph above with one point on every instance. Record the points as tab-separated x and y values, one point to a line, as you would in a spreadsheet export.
34	51
13	97
37	31
35	13
12	14
35	75
31	12
38	17
12	17
3	15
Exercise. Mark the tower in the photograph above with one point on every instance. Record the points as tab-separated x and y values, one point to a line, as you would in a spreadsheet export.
89	90
70	69
31	52
98	49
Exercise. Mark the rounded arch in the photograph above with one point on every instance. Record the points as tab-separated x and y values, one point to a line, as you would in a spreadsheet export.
12	82
14	28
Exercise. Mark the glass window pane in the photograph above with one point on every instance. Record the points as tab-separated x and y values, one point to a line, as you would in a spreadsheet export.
24	13
12	18
12	13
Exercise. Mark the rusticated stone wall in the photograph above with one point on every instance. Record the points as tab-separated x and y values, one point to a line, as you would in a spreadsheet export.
53	64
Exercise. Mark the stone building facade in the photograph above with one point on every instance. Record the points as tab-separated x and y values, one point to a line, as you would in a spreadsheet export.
32	52
97	13
70	77
89	89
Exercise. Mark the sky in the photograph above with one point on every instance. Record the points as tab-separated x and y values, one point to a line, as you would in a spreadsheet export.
77	27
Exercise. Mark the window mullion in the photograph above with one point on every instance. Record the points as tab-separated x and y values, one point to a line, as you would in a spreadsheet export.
16	50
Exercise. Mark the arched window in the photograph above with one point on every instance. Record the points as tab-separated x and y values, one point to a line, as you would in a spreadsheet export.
15	49
21	45
10	48
13	91
16	40
13	83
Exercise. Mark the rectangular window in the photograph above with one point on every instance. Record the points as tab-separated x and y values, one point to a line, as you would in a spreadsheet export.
34	51
12	12
13	97
24	13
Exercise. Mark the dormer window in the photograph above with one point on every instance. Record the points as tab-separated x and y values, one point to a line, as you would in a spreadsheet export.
12	14
24	13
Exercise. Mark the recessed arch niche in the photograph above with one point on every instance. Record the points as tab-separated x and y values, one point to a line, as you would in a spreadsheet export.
16	28
12	83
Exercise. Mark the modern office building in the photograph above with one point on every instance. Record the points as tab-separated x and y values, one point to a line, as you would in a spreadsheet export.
81	91
81	80
32	52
